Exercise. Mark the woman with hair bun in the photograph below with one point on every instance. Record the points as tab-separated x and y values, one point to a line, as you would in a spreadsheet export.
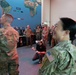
61	59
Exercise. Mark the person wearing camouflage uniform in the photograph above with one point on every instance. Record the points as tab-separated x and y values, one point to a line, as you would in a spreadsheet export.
8	43
61	59
28	33
45	34
38	33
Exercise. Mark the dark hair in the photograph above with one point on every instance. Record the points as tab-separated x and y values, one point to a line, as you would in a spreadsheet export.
69	24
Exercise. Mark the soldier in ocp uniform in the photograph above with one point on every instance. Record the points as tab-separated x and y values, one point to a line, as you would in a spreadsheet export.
38	33
28	33
45	34
8	43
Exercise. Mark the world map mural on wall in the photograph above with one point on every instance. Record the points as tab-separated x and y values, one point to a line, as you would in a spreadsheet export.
24	14
30	4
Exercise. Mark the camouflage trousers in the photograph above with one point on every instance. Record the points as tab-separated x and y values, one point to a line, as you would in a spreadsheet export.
8	66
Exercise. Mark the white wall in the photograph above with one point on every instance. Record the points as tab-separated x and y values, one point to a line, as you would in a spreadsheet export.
62	8
46	11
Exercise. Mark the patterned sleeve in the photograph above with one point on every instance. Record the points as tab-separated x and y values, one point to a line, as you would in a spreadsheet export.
12	37
62	58
49	65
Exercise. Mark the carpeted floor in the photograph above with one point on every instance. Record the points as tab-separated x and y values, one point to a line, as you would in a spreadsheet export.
27	66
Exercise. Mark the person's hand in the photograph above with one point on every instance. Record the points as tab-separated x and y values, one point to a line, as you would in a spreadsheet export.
33	48
38	52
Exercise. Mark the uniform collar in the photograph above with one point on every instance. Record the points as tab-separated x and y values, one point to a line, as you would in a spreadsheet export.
64	42
6	26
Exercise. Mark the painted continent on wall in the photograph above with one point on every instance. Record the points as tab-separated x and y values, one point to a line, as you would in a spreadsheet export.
5	6
32	5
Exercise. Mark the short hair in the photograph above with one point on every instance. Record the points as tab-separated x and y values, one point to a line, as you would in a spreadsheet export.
69	24
9	17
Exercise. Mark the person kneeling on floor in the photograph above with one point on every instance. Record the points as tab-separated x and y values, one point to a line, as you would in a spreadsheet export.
40	51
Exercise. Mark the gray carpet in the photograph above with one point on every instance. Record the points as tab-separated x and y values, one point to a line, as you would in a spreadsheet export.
26	65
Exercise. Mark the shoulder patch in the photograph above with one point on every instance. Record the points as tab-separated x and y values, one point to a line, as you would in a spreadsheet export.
49	56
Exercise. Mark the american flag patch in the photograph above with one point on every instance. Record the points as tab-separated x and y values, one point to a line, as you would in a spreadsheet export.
49	53
49	56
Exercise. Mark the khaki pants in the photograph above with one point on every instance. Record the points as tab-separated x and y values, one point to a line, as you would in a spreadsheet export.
28	41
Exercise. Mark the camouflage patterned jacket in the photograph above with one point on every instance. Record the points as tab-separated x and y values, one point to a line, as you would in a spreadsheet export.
8	41
60	60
